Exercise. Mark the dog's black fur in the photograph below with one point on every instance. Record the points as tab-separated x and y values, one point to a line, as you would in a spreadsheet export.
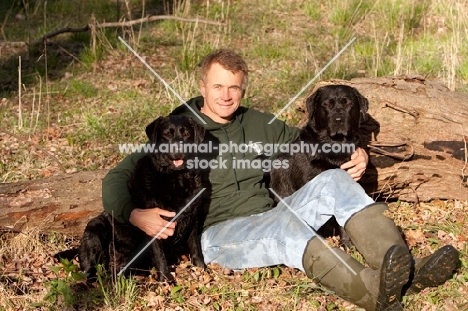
159	180
335	113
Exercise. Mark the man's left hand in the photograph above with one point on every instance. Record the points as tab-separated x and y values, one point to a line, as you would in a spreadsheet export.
356	167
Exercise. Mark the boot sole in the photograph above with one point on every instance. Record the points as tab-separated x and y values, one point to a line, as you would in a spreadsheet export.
394	275
436	271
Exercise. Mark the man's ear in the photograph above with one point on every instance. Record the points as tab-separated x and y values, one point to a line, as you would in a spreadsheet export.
199	131
202	88
152	129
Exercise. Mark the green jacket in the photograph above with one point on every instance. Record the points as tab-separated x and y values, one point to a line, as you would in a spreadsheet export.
236	182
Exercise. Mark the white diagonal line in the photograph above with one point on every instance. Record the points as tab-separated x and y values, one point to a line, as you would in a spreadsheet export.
161	79
311	81
313	231
160	231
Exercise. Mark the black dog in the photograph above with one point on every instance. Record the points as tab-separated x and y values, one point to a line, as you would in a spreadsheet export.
335	115
160	179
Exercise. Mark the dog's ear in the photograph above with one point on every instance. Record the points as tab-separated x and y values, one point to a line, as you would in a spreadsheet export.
363	105
311	103
152	128
199	131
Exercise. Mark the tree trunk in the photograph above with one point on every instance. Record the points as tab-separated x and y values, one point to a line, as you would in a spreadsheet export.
424	115
62	203
431	122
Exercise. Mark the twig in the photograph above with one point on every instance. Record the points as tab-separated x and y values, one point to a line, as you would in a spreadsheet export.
57	32
375	147
20	116
4	230
465	138
148	18
36	146
387	144
413	113
151	18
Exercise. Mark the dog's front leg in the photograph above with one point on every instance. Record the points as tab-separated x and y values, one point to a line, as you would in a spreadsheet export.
194	246
159	261
94	245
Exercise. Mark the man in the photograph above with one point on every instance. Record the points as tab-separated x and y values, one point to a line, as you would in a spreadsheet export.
243	229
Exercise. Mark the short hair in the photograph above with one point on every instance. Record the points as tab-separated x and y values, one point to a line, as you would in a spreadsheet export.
229	60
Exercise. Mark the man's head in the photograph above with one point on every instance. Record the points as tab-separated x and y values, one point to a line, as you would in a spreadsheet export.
223	80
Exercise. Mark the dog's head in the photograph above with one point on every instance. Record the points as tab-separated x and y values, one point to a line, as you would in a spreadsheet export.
336	111
175	138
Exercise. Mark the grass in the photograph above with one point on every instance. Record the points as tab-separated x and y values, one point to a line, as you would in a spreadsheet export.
48	285
85	93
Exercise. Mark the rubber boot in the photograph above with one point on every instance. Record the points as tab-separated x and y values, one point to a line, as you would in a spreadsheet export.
373	290
433	270
373	233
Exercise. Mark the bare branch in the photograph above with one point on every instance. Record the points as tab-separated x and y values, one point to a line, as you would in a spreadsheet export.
146	19
57	32
151	18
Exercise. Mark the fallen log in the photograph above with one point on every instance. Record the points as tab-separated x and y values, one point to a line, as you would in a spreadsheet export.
62	203
418	117
405	113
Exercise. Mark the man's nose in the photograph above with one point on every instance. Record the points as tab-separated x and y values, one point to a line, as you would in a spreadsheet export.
225	94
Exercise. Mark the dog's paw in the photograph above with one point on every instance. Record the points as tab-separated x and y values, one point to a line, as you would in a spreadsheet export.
199	262
67	254
166	278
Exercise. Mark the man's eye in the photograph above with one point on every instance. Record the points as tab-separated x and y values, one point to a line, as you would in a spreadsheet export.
234	88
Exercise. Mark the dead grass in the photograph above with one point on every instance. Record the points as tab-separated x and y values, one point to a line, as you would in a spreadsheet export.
93	99
26	259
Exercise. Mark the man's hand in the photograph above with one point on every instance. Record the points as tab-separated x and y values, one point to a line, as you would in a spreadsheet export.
356	167
150	221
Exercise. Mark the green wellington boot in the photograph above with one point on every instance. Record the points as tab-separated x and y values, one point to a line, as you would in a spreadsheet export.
433	270
373	234
373	290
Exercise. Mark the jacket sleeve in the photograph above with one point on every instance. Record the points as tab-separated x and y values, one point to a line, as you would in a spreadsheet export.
116	198
285	134
290	134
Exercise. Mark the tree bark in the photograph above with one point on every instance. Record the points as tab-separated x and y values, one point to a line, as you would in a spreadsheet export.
424	115
62	203
431	121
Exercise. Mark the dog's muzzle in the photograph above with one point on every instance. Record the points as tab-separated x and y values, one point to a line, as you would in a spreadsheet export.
338	125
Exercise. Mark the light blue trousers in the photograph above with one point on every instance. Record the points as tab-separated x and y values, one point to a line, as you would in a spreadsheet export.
280	235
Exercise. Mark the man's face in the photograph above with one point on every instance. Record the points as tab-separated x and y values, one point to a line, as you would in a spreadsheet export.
222	91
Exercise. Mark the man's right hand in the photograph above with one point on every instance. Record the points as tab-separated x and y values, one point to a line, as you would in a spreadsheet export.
151	222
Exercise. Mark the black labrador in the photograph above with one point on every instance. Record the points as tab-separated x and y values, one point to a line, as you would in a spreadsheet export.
335	113
160	179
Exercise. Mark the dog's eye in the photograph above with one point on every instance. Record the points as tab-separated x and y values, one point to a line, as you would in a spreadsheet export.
345	101
184	132
168	133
